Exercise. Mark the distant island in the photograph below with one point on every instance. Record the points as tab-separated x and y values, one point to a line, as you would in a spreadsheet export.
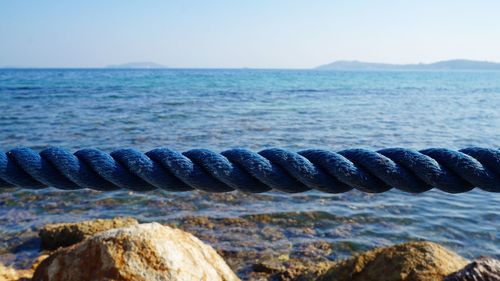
137	65
441	65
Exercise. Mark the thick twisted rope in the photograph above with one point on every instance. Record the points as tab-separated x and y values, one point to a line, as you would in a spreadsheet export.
239	169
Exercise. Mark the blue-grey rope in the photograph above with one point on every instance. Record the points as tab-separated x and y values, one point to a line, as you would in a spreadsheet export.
239	169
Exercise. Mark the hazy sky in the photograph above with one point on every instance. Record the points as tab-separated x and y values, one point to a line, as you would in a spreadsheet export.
237	33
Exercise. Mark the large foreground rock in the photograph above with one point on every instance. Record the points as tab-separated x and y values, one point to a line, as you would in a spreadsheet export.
145	252
485	269
416	261
58	235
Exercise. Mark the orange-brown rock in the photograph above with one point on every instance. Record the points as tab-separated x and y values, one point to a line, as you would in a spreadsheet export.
58	235
415	261
145	252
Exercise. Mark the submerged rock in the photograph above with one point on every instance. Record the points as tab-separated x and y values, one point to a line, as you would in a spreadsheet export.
58	235
414	261
148	252
485	269
269	266
289	270
252	241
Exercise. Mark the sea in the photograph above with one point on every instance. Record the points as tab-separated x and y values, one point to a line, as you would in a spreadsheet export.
219	109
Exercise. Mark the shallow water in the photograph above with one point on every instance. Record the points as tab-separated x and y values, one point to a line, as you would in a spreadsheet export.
256	109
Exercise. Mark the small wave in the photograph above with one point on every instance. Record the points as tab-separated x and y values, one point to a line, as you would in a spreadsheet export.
304	91
22	88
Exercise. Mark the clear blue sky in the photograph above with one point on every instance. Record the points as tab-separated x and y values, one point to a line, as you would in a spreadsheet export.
237	33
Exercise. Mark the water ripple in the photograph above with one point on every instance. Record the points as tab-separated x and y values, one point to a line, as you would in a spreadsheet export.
256	109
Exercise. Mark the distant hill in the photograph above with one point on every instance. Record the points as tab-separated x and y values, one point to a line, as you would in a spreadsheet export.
137	65
441	65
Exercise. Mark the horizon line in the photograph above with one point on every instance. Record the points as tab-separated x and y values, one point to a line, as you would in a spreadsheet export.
161	66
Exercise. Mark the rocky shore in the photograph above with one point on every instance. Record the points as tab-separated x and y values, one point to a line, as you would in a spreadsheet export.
121	249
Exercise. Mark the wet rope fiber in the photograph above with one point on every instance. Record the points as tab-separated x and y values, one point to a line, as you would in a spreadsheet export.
240	169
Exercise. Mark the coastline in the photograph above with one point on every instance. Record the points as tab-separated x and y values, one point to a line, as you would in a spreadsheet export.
423	261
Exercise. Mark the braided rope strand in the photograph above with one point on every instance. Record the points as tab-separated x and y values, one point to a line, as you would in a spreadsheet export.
240	169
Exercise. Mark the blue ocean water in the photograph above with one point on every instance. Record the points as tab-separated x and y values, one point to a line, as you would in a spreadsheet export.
256	109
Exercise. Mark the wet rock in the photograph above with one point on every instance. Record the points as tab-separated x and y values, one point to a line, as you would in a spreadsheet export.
415	261
8	273
304	270
269	266
484	269
58	235
313	250
253	241
242	261
288	269
204	222
12	274
140	252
